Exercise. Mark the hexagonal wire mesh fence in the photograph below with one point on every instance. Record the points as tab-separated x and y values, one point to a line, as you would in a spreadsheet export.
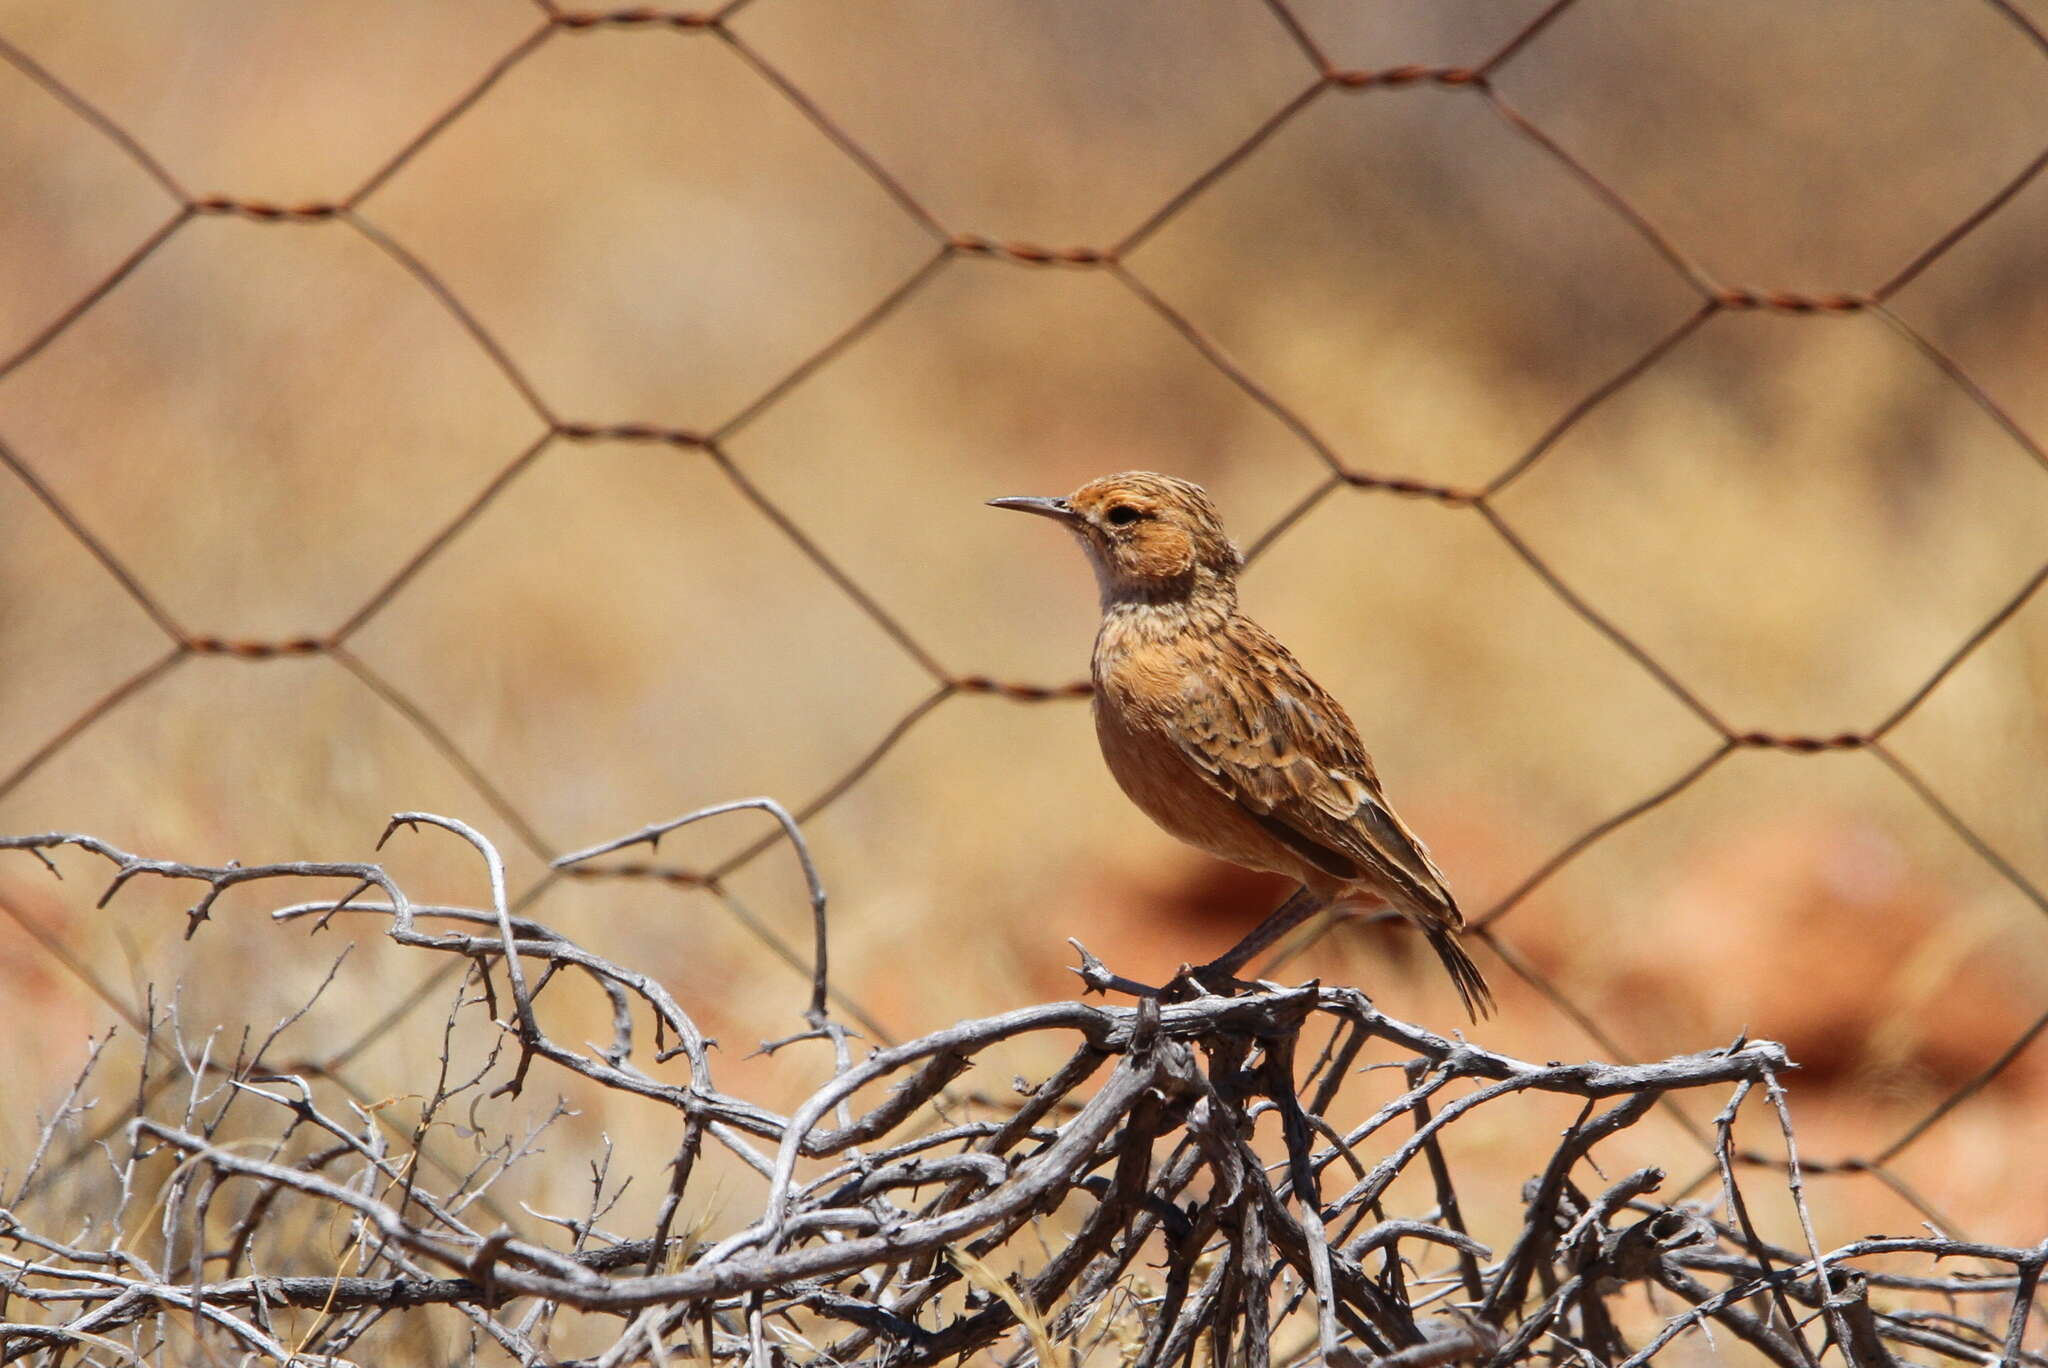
1321	80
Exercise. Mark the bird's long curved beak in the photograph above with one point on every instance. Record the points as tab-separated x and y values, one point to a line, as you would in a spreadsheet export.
1045	508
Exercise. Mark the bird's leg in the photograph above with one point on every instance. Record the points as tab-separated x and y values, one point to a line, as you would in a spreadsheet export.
1220	973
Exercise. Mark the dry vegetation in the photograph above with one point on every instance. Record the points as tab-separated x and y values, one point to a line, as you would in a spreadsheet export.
1124	1206
1800	515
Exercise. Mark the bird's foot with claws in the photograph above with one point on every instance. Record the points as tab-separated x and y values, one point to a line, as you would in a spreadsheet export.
1188	982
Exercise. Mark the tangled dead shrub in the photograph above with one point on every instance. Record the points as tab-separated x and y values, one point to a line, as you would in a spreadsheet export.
1127	1206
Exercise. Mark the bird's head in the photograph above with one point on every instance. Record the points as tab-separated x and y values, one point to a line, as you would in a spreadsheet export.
1150	537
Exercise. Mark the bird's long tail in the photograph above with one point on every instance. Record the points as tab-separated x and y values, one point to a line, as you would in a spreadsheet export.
1465	975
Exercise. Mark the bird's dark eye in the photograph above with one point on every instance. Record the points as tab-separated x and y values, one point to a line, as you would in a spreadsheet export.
1123	515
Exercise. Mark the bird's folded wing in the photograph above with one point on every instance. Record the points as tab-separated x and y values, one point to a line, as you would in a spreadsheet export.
1272	741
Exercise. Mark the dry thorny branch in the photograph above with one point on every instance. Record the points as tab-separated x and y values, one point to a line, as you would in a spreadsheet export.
1131	1191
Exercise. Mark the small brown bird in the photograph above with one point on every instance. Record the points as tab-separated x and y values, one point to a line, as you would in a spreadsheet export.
1216	732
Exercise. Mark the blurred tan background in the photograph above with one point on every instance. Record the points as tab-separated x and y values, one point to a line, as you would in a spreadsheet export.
1799	516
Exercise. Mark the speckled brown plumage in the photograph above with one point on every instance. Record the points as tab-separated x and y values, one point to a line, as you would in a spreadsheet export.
1219	735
